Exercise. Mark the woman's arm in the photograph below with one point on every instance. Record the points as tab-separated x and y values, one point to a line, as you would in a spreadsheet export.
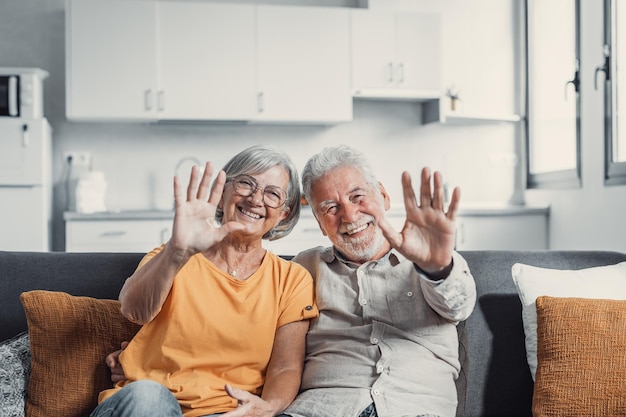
144	292
284	374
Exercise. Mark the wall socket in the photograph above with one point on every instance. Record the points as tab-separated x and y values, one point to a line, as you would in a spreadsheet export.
78	158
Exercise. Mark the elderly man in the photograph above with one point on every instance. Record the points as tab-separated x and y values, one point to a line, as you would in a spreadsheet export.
385	343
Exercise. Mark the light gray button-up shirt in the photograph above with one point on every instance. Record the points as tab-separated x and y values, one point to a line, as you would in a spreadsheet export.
386	334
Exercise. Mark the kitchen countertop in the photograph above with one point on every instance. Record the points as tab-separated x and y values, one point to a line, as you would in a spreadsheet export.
478	209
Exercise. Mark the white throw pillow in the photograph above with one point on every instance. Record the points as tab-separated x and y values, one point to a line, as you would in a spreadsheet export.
603	282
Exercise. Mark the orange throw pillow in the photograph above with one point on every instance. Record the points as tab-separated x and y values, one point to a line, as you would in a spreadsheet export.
69	340
581	357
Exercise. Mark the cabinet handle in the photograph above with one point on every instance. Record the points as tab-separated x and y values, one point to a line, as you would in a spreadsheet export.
401	72
114	233
260	101
390	72
161	100
147	100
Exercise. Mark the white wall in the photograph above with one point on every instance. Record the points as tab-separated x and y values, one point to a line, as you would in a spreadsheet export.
594	216
139	159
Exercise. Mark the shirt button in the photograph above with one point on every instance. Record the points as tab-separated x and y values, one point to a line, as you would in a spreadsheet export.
361	273
376	392
380	368
409	294
374	341
363	302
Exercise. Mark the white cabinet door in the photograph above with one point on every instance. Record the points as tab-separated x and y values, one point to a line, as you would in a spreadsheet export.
116	235
507	232
395	51
111	63
303	64
418	51
207	61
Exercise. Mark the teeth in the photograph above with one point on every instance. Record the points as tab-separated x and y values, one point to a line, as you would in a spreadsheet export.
357	230
250	214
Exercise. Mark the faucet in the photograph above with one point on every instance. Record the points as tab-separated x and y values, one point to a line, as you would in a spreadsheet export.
180	163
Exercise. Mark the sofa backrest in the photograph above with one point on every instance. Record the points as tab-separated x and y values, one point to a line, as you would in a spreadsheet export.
99	275
498	379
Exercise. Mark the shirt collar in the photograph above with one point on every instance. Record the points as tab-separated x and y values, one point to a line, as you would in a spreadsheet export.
331	253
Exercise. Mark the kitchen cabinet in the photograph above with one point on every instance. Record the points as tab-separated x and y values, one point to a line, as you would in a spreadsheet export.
206	61
396	55
111	59
93	234
191	60
303	64
524	230
164	60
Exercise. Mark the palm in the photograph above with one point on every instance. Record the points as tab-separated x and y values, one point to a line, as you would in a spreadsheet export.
428	235
194	227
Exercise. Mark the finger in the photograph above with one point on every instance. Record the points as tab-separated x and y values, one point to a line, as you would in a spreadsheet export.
394	238
438	192
179	195
410	202
192	187
217	190
205	182
240	395
124	344
425	194
117	378
454	204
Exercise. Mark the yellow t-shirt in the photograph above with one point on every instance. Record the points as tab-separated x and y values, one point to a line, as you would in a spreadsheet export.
214	330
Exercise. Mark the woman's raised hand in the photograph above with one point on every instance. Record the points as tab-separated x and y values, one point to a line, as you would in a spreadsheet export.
195	229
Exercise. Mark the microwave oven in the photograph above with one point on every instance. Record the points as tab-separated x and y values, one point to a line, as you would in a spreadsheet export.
21	92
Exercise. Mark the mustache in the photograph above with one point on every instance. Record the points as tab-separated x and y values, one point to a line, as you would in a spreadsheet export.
347	228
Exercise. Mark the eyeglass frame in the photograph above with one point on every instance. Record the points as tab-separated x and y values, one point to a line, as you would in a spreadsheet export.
236	181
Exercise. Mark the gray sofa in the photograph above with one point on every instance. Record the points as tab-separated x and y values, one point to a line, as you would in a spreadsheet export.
495	380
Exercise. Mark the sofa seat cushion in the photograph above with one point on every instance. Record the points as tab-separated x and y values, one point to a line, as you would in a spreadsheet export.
581	357
69	340
14	371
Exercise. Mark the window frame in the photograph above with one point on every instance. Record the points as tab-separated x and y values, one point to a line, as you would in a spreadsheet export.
614	172
568	178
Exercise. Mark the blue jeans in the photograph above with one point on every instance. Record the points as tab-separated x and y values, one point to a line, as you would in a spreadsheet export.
140	399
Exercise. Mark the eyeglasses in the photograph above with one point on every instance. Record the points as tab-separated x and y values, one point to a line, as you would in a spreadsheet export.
245	186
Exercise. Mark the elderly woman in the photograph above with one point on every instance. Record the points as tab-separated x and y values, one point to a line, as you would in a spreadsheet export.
224	320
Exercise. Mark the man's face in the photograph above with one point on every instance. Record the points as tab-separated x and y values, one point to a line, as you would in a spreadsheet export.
347	208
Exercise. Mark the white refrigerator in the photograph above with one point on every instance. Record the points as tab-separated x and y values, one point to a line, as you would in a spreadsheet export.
25	184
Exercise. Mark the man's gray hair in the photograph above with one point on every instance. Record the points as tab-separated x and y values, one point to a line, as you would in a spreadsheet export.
330	158
256	160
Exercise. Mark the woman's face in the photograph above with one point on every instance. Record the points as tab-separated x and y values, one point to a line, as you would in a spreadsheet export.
252	211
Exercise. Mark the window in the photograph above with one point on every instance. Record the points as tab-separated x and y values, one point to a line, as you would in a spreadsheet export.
553	101
615	92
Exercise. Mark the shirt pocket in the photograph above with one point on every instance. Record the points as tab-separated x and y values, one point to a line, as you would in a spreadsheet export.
409	310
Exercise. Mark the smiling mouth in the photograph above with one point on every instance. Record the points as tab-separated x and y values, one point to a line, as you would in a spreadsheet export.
356	230
249	214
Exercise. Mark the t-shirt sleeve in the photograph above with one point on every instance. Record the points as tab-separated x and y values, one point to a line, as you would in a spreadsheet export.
298	302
